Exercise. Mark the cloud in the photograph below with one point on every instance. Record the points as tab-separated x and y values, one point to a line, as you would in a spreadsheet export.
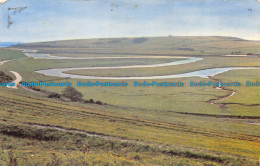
72	19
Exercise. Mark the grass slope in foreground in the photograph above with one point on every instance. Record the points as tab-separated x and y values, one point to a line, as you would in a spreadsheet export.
35	130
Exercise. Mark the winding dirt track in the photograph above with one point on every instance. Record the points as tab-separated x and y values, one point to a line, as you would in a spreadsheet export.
231	93
17	80
18	77
3	62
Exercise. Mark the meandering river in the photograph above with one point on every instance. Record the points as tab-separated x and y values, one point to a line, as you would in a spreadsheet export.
60	71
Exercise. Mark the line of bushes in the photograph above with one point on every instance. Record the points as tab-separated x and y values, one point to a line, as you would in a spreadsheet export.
30	132
69	93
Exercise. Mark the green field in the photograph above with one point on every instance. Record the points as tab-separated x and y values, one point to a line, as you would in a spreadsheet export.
134	125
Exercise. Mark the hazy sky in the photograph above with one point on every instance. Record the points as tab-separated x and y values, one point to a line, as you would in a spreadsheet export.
45	20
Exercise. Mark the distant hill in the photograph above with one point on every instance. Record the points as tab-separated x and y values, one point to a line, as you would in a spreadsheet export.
7	44
173	45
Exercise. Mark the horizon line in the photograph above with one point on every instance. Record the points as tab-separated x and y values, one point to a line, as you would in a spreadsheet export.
42	41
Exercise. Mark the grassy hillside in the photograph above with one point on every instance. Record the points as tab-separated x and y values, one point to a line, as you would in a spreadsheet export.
138	125
35	130
148	45
7	54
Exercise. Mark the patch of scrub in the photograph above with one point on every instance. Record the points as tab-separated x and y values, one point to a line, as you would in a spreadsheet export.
140	40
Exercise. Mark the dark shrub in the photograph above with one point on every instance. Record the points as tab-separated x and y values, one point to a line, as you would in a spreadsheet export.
4	77
140	40
54	95
186	49
34	88
72	94
99	102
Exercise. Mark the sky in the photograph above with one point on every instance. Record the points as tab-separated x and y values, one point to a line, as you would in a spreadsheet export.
47	20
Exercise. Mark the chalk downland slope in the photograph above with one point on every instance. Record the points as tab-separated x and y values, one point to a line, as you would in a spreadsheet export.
173	45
